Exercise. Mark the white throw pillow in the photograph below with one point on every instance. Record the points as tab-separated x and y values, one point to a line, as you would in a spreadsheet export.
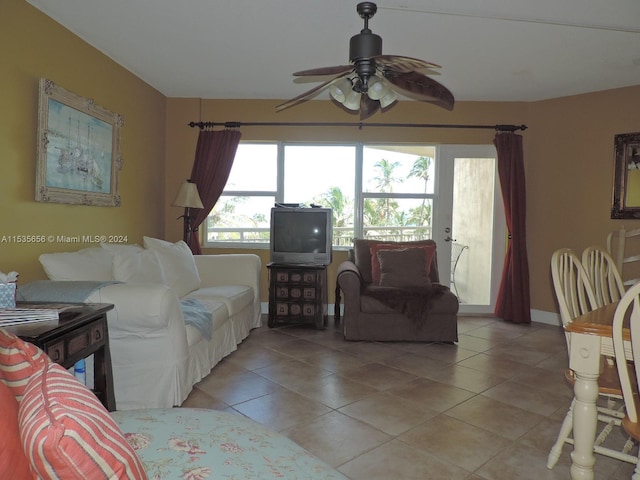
90	264
155	243
138	267
115	248
177	263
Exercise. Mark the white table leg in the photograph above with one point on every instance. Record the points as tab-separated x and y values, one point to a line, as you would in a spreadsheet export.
585	360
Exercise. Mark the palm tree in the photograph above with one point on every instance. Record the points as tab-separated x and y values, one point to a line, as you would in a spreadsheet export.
342	210
334	199
421	169
385	181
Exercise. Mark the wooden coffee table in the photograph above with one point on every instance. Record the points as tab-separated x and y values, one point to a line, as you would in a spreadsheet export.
80	332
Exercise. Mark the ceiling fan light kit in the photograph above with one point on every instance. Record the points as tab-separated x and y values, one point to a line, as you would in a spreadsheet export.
372	80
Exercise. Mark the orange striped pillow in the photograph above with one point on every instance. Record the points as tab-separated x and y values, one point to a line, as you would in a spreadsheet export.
13	462
67	433
19	360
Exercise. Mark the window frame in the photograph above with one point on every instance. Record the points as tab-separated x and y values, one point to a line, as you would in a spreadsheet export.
359	194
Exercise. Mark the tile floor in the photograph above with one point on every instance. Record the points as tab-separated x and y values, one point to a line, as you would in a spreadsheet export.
488	408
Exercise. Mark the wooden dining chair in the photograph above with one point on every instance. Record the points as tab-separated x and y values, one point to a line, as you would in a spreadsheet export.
603	275
629	372
624	247
575	297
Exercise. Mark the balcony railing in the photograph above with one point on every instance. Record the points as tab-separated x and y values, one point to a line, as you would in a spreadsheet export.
342	236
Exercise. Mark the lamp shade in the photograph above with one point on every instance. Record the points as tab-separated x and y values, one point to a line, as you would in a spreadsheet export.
377	88
352	102
340	89
388	99
188	196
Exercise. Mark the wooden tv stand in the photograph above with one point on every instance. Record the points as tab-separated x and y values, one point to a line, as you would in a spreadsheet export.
297	293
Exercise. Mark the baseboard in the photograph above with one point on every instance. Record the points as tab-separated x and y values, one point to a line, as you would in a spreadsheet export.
537	316
549	318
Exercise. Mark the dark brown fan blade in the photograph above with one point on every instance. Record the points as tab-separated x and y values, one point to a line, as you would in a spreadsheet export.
421	87
308	94
368	107
337	70
402	64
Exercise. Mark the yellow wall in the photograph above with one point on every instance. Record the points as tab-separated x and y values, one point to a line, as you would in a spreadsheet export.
35	46
568	149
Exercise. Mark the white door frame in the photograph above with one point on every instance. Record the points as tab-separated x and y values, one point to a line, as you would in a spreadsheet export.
443	213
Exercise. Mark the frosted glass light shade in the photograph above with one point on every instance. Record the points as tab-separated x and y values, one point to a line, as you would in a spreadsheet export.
188	196
340	90
388	99
352	102
377	88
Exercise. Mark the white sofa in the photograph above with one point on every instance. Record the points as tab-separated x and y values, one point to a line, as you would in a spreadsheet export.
156	356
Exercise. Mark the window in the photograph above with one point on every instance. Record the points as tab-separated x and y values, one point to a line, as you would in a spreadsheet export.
398	192
323	175
241	215
384	192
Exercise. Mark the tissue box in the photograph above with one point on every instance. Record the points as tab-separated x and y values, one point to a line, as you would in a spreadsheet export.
7	295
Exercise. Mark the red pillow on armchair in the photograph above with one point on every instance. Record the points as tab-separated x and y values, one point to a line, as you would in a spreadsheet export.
429	251
403	268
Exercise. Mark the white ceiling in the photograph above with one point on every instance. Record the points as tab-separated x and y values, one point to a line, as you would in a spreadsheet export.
489	50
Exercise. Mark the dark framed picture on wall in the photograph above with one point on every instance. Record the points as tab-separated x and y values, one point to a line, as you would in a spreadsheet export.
626	179
79	158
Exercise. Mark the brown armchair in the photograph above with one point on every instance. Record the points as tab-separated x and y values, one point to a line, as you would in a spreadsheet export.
402	311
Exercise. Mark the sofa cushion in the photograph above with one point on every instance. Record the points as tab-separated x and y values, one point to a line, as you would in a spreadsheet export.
67	433
235	297
362	256
178	264
19	361
13	461
93	263
138	267
429	251
216	310
403	267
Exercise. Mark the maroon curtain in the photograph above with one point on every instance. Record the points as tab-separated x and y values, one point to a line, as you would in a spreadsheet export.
513	302
215	152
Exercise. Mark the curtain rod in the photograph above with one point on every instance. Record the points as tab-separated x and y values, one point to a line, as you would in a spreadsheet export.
360	125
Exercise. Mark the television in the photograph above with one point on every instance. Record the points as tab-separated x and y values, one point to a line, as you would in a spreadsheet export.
301	235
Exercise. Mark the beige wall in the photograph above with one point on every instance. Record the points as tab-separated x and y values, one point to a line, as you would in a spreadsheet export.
181	139
568	156
34	46
568	148
569	161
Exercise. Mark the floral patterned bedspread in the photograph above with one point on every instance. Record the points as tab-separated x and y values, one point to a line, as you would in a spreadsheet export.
199	444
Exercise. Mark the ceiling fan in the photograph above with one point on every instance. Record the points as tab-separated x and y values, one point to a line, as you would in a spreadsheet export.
372	80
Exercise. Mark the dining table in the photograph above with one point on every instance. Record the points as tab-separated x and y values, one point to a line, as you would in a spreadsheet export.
591	340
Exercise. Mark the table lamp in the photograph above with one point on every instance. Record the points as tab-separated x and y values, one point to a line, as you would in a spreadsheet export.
188	198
